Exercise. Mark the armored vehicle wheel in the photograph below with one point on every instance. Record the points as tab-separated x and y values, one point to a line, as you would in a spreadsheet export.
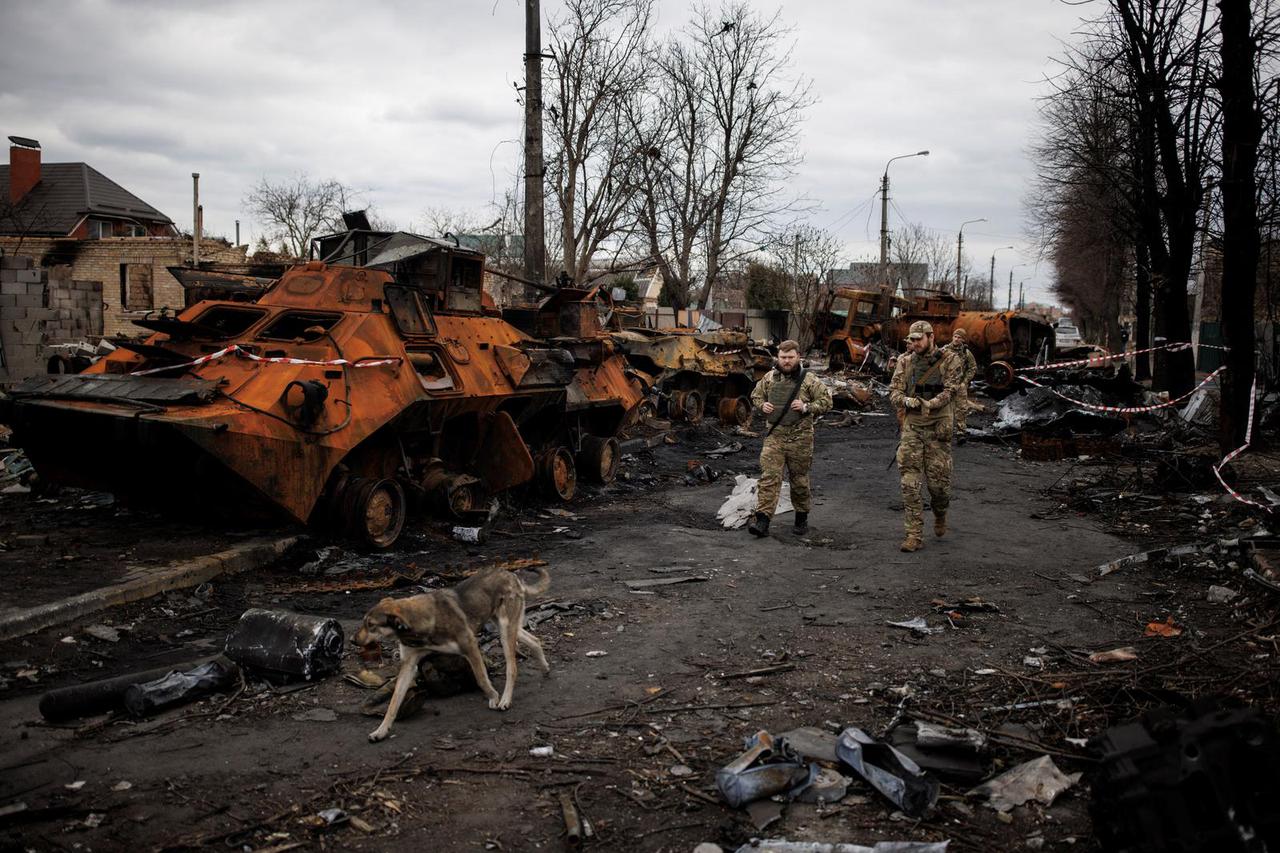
735	411
375	511
598	459
999	375
558	475
687	406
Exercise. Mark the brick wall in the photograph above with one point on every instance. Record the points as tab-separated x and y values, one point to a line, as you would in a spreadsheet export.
23	315
96	266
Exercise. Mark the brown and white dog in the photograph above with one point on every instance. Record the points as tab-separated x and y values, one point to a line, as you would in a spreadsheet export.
447	621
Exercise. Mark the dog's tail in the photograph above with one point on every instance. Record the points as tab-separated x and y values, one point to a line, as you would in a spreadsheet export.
543	584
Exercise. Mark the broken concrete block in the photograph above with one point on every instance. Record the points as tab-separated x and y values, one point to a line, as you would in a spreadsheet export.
30	276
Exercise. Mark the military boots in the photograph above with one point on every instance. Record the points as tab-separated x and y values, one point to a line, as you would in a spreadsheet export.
802	523
911	543
939	523
759	525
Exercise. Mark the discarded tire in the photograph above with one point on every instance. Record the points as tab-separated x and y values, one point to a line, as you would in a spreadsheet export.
598	459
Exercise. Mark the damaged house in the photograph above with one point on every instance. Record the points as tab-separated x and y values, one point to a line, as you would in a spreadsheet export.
82	258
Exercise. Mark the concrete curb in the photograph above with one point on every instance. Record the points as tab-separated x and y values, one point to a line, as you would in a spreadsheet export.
19	621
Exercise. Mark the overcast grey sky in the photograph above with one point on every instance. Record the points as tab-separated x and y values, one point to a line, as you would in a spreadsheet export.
414	102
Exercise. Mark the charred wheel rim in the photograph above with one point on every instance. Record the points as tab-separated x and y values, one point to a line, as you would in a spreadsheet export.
599	459
559	475
1000	374
377	511
735	411
686	406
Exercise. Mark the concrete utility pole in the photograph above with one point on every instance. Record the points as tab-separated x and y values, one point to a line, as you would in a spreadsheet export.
1008	302
237	232
1021	303
195	220
884	214
535	250
960	249
991	282
795	270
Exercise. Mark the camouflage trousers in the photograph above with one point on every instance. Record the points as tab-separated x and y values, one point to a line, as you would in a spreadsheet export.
925	453
794	450
960	405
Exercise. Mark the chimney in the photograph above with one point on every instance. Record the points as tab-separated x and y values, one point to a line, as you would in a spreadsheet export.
24	167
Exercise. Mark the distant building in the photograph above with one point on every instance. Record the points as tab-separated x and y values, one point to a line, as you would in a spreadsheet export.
909	278
88	254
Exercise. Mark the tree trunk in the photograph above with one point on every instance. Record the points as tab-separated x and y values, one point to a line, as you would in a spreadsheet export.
1142	311
1241	132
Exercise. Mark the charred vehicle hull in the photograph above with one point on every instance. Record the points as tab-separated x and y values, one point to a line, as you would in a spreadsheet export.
340	398
697	372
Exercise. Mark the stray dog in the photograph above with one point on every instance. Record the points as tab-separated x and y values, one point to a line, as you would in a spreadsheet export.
447	621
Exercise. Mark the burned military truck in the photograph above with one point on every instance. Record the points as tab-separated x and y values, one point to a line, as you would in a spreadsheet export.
352	389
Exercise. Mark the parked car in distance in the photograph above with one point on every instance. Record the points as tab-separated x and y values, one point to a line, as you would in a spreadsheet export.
1066	335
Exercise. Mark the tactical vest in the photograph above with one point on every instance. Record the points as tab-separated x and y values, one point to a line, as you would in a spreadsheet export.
932	385
779	393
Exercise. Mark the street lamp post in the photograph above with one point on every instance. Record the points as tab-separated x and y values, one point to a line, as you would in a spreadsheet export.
991	282
884	214
960	248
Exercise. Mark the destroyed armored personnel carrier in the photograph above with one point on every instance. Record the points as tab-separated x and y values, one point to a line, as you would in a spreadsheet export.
696	372
341	397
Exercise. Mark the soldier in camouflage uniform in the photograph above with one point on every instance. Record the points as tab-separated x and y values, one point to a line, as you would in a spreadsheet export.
960	346
789	440
923	387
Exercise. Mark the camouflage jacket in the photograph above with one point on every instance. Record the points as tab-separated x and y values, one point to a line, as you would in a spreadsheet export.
949	374
812	392
970	363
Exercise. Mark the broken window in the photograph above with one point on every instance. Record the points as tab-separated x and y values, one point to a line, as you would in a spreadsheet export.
465	277
294	325
229	322
411	316
135	287
429	364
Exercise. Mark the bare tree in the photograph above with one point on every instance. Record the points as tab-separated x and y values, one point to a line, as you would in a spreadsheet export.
296	210
919	258
720	131
600	50
1242	41
805	253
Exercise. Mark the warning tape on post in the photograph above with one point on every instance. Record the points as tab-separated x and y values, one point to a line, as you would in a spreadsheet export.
1248	439
236	349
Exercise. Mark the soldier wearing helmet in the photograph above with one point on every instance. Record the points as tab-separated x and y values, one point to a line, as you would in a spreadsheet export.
960	346
925	383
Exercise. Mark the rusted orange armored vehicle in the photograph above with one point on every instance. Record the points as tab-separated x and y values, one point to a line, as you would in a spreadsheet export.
849	321
339	397
853	323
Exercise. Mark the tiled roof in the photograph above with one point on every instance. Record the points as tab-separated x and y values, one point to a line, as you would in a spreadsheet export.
66	193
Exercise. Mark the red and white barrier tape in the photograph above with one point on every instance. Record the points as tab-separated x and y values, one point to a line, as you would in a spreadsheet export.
1126	410
1248	437
236	349
1097	360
